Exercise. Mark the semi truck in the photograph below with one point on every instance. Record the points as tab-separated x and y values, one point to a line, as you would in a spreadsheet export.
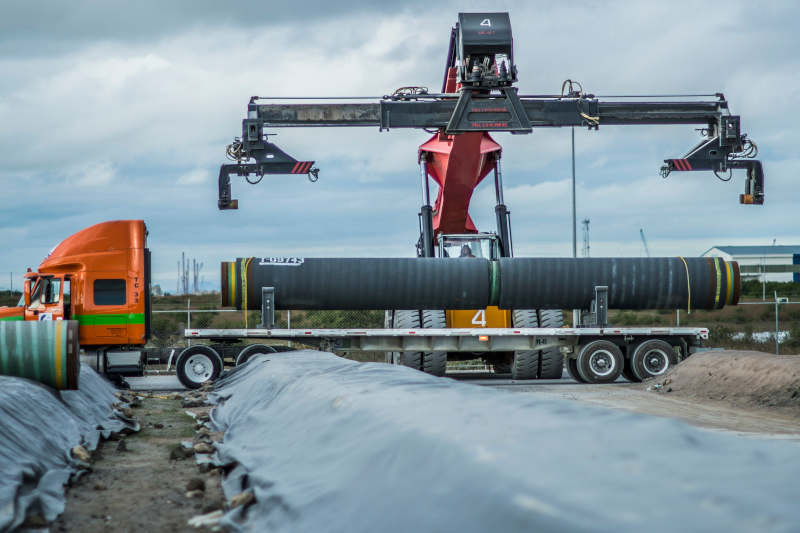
100	277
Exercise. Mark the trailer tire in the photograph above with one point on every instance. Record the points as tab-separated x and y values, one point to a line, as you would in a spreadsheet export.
434	363
627	372
572	370
253	349
197	365
551	360
525	364
652	358
600	362
405	319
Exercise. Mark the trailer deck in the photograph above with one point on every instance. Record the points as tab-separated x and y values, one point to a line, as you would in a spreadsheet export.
450	340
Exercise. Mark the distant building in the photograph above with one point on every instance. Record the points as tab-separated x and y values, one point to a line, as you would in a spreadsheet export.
760	255
155	290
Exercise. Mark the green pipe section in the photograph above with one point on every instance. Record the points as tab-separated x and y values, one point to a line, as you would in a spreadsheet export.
47	352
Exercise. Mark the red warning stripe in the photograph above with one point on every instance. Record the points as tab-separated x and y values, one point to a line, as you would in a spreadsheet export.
301	167
682	164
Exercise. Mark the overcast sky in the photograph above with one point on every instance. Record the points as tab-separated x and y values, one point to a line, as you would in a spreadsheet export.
122	110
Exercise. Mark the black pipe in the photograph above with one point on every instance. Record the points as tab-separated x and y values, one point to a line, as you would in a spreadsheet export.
354	284
471	283
633	283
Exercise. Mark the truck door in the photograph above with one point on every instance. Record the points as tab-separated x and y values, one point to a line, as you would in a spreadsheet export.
51	307
32	311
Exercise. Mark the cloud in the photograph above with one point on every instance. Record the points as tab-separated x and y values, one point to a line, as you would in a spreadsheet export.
198	176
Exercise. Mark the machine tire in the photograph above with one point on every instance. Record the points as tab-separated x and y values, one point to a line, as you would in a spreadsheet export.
572	370
643	356
434	363
252	350
502	368
197	365
627	371
600	362
405	319
551	360
525	365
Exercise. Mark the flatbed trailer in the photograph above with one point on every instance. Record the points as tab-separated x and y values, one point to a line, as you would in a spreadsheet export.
592	354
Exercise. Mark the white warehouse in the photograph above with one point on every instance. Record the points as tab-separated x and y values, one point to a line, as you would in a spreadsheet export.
755	256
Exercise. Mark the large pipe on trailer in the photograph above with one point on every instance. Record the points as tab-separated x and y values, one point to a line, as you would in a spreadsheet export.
47	352
633	283
472	283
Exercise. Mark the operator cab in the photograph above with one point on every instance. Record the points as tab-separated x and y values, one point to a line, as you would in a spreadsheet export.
483	245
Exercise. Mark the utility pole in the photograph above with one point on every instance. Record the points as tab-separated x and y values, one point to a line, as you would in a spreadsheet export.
574	215
576	313
586	237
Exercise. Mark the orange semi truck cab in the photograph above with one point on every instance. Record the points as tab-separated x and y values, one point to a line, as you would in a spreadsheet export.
100	277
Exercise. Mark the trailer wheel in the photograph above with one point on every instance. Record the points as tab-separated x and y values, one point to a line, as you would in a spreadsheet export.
434	363
253	349
525	364
600	362
652	358
551	360
405	319
196	365
572	370
627	371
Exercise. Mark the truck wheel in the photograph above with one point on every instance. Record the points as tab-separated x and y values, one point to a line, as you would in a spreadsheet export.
551	360
627	372
196	365
253	349
407	320
600	362
525	364
434	363
572	370
652	358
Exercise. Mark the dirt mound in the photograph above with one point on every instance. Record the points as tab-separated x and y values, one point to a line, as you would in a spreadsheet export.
746	378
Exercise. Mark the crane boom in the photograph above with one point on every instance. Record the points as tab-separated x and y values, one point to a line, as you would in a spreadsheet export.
478	99
646	250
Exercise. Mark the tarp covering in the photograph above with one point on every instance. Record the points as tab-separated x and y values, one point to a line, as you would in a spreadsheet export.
39	426
328	444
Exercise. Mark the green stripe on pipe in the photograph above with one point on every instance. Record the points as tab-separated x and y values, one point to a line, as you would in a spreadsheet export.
494	283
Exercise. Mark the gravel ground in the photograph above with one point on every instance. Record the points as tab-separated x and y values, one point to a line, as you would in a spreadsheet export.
142	489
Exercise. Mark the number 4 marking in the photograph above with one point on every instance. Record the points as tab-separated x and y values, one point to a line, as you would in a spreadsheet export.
486	22
480	318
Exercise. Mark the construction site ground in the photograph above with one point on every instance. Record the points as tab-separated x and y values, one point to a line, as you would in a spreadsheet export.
142	489
741	392
752	394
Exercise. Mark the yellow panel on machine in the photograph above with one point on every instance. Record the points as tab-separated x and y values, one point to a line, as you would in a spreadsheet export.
491	317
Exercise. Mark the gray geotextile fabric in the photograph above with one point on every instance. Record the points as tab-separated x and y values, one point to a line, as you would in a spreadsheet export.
328	444
38	428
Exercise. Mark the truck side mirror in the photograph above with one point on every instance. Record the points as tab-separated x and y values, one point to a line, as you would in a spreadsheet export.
27	293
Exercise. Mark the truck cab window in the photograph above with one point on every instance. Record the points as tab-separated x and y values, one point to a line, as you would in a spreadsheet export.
36	295
109	292
51	288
